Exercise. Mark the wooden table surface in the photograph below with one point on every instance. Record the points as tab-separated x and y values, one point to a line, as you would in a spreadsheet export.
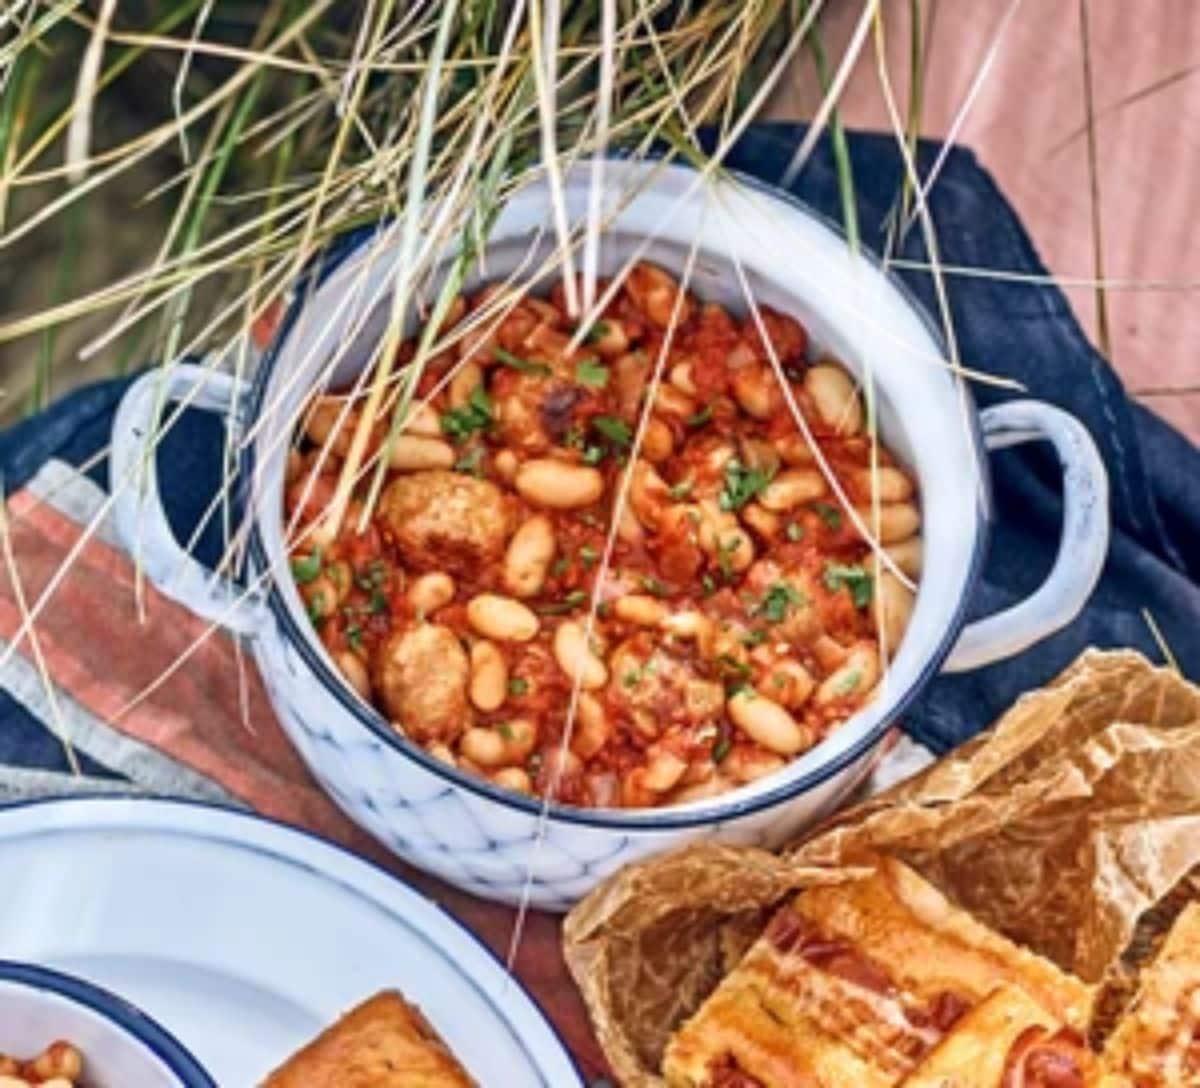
1026	127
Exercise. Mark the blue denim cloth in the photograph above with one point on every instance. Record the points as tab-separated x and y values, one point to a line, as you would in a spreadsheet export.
1023	331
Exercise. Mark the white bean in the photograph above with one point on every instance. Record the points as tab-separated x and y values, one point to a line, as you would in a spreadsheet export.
681	378
857	675
747	765
792	487
897	521
576	658
513	778
649	495
755	390
489	675
893	609
503	745
790	683
763	720
656	294
431	592
609	338
888	482
907	555
670	400
494	616
794	449
422	420
663	770
592	727
658	443
414	452
641	609
506	464
355	672
835	398
559	485
529	555
467	378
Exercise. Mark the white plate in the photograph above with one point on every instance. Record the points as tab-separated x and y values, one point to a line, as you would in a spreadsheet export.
245	938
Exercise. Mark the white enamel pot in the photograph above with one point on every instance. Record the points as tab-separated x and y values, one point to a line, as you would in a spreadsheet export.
495	843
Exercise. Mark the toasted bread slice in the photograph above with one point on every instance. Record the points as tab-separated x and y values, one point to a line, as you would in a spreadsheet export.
383	1043
1007	1035
1157	1042
853	984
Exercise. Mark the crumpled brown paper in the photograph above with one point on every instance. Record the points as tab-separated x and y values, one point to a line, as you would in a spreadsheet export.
1065	824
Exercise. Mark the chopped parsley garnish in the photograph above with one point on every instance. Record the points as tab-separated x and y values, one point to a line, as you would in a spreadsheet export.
372	577
572	600
476	415
725	550
354	637
631	678
779	598
615	430
378	602
721	749
588	555
858	581
523	365
708	585
831	515
701	417
505	730
316	607
593	455
597	332
518	686
591	373
732	667
653	585
848	683
756	636
305	569
682	489
560	567
471	462
794	531
741	485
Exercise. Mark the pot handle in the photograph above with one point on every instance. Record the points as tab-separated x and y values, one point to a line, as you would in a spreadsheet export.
138	512
1081	551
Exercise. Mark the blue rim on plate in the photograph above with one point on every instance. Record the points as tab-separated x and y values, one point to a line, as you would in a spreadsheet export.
320	269
116	1010
201	1079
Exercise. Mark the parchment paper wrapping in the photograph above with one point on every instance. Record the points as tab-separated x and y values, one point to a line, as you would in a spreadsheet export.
1062	826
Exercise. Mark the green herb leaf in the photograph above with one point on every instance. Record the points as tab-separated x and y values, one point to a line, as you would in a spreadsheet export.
316	607
518	686
354	637
779	598
560	566
756	636
858	581
572	600
848	683
615	430
682	489
701	417
476	415
305	569
708	585
591	373
588	555
721	749
471	462
593	455
523	365
653	585
597	332
741	485
831	515
794	531
505	730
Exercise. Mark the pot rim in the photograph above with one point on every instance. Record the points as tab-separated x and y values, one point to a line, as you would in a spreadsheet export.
648	819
